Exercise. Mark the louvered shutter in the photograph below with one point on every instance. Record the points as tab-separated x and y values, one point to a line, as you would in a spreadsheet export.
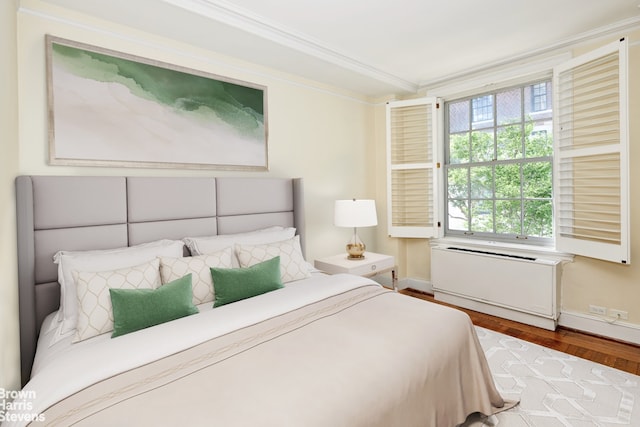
412	168
591	155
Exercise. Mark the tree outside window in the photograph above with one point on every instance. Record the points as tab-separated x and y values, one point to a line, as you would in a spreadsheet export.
498	165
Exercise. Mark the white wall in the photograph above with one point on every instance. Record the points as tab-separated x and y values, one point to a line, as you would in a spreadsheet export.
315	132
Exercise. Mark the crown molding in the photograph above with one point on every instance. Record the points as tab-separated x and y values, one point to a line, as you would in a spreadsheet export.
48	16
245	20
582	38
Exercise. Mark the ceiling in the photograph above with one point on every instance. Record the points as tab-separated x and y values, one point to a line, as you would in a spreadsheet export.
372	47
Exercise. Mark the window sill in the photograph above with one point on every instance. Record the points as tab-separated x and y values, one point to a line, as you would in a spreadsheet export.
504	248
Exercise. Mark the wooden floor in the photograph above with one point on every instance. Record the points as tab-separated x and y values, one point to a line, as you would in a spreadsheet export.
625	357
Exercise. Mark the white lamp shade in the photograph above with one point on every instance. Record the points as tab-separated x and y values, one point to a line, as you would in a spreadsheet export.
355	213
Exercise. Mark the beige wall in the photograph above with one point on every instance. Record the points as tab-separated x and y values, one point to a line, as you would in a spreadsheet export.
9	374
315	132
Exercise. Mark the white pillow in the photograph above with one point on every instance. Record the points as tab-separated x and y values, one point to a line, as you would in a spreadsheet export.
292	264
95	312
200	268
102	260
211	244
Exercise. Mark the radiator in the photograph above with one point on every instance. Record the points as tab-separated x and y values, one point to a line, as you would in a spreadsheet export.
514	287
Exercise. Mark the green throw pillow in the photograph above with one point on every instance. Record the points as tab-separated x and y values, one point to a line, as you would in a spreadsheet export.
234	284
135	309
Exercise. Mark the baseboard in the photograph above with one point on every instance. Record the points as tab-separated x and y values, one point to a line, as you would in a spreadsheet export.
417	284
618	330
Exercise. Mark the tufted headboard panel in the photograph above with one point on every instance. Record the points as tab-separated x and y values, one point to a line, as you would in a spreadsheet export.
101	212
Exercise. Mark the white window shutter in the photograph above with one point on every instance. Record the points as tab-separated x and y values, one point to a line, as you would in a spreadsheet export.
591	160
412	168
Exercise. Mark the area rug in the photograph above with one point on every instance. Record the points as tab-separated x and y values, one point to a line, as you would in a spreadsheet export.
556	389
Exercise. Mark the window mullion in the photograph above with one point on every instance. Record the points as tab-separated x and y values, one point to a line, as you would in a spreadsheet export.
523	146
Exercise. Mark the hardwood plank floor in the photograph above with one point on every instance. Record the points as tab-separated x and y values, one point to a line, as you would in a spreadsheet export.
619	355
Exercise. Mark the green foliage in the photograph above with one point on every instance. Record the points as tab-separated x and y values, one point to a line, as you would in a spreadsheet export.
503	184
509	141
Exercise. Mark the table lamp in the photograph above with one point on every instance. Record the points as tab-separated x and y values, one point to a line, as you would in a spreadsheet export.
355	213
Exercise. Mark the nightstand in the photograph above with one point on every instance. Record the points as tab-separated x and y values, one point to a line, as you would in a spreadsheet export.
371	265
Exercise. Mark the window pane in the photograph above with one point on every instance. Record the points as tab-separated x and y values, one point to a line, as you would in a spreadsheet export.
508	215
536	180
459	148
508	181
458	215
481	182
538	218
509	142
458	183
482	112
538	101
509	107
482	146
539	139
482	216
459	117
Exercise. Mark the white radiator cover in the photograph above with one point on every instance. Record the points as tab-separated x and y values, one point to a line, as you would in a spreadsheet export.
525	290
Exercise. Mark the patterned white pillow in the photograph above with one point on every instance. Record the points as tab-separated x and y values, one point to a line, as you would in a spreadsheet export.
201	281
292	264
211	244
95	313
102	260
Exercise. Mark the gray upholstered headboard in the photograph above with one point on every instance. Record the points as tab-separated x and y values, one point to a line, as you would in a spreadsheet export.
80	213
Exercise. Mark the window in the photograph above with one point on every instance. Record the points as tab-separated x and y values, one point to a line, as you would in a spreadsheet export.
524	164
539	101
482	109
498	165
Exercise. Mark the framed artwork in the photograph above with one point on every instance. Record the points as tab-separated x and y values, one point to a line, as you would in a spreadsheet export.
109	108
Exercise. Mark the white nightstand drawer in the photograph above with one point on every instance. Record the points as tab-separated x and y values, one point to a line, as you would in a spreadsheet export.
371	264
374	268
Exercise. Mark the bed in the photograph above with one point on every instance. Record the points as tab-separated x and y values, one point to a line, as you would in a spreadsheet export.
269	341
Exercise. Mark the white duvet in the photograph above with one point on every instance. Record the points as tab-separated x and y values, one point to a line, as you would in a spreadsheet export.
68	368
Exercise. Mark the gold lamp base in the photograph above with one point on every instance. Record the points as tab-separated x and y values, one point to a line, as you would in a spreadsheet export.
355	248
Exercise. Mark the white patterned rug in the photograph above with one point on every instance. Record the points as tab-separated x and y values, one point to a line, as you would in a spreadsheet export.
556	389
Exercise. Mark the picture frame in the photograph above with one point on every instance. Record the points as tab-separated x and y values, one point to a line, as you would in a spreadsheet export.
108	108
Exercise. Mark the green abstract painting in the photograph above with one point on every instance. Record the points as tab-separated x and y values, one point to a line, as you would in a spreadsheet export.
110	108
